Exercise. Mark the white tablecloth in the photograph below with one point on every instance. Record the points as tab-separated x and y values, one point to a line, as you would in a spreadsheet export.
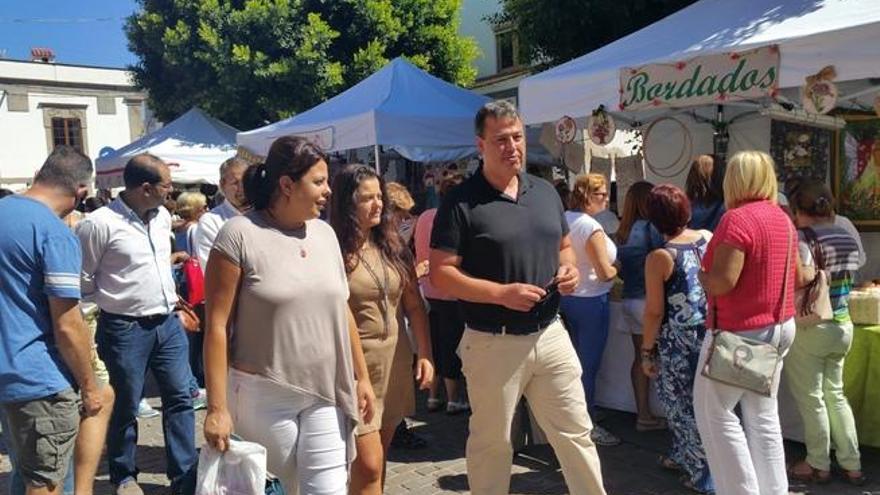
614	386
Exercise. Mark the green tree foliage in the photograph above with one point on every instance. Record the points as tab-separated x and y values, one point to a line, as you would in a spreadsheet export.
555	31
249	62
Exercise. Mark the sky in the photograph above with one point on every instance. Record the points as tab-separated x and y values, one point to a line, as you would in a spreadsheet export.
85	32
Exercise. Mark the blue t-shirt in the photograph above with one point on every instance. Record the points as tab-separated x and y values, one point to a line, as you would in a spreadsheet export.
39	257
643	238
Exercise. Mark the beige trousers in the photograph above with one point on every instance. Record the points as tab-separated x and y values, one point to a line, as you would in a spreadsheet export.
502	368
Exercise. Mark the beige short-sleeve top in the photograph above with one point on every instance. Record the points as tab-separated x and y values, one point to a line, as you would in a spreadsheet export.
291	319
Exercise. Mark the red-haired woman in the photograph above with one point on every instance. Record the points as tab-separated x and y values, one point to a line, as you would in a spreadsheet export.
674	328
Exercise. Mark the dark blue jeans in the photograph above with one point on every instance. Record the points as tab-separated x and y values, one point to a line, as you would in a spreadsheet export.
588	319
129	347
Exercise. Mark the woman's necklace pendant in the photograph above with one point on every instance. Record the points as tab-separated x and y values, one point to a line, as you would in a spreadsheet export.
302	252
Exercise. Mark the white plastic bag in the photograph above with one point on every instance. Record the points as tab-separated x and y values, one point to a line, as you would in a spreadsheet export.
241	470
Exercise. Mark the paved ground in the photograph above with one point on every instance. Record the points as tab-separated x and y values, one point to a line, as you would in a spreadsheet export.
629	469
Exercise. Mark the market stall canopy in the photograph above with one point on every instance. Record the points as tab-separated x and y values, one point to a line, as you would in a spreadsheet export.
810	34
193	145
400	106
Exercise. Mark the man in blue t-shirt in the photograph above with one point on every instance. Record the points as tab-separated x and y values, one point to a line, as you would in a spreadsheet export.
45	351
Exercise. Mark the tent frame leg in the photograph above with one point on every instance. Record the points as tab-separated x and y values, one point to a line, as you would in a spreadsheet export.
376	152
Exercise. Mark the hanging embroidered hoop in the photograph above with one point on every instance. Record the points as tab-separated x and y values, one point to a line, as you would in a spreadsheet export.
675	167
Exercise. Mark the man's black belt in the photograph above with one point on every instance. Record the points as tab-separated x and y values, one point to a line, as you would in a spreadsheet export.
142	320
514	328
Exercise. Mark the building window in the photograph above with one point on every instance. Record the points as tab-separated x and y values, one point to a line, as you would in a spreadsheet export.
65	124
67	131
507	50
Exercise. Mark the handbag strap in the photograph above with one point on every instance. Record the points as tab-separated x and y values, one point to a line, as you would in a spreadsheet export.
788	248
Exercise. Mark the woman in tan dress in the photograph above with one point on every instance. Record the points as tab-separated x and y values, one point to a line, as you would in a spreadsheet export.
381	278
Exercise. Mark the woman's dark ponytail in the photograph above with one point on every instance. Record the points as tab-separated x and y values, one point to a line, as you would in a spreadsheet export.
256	186
292	156
814	198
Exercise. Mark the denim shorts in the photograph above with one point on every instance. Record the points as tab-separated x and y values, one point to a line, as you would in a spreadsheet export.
43	433
632	316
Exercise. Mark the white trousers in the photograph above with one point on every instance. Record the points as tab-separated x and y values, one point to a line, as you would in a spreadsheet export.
305	439
745	458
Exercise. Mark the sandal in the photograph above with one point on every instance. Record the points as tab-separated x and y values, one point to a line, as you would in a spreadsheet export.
666	463
812	476
655	424
855	478
687	483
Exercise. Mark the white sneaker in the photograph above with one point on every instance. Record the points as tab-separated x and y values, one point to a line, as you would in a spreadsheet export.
601	436
145	410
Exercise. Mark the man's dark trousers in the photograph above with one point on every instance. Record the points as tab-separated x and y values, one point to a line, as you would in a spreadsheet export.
129	346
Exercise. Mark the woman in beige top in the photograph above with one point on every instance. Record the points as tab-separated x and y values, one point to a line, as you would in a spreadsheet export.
275	281
380	276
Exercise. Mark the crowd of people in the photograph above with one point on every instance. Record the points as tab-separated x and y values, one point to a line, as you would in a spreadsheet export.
310	337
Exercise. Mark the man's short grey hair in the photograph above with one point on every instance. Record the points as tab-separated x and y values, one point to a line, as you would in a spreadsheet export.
232	163
501	109
65	168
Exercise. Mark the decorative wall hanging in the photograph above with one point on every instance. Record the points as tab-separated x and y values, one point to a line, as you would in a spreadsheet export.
601	126
627	170
800	151
600	165
819	94
566	130
856	173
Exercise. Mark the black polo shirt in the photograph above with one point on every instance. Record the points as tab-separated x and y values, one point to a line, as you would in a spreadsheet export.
504	240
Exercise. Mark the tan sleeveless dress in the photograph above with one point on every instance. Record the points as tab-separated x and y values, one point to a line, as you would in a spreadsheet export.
376	317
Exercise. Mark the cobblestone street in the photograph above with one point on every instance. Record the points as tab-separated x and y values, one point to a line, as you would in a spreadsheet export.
629	468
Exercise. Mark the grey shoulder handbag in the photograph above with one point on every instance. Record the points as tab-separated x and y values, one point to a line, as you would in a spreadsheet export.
743	362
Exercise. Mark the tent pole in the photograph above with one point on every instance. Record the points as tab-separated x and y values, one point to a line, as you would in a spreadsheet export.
376	151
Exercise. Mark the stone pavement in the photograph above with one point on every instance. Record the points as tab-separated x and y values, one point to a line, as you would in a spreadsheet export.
629	468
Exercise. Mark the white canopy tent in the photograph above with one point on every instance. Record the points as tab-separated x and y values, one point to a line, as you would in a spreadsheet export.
400	106
810	33
193	145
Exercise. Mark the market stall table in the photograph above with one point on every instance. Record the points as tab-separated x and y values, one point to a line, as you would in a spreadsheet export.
861	377
861	381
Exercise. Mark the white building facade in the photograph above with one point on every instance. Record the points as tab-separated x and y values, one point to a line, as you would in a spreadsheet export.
501	65
45	104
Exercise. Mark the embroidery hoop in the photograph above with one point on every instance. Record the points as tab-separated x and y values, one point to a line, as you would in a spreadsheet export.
686	150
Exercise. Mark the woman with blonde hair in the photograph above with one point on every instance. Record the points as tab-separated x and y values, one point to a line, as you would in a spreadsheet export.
707	205
814	367
751	293
637	237
190	207
400	205
587	310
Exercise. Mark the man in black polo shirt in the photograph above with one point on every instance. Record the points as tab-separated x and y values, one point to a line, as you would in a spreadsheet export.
500	245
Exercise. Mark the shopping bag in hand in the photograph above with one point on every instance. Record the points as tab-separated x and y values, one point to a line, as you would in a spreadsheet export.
241	470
